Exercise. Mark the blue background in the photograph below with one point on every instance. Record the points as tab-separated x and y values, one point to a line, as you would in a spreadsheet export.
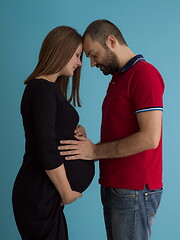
151	28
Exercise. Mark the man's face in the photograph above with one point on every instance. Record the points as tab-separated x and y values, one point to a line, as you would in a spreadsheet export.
101	57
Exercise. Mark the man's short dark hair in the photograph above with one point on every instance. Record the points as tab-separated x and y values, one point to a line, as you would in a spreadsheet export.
99	30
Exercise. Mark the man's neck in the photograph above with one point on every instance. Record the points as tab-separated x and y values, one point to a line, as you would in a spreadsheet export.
125	54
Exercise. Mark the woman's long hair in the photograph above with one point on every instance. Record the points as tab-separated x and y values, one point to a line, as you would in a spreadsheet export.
56	51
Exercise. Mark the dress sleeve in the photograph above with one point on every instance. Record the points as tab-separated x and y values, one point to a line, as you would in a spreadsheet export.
147	90
44	104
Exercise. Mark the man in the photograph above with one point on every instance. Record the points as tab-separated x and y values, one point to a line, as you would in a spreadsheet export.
130	150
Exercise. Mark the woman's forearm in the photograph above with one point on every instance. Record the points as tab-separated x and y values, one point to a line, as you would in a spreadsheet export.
60	181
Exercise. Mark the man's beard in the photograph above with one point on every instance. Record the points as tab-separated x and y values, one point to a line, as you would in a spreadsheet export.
111	64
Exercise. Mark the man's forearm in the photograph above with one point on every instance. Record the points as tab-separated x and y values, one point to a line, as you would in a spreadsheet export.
125	147
148	137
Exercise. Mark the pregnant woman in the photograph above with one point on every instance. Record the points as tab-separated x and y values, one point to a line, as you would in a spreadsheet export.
45	181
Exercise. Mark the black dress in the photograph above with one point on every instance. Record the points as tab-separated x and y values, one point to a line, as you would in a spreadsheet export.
47	118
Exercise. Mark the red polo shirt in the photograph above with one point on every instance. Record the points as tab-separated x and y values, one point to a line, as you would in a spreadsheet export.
138	87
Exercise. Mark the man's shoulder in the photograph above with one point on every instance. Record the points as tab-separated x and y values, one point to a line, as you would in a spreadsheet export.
144	65
145	68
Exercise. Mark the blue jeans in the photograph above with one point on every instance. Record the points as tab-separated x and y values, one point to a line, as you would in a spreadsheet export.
129	214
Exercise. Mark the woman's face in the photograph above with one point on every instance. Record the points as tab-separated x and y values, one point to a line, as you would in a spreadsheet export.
74	62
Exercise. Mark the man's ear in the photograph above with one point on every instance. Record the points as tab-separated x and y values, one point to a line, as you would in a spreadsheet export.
111	41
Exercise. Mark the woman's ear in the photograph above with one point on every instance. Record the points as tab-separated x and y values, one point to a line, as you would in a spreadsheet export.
111	41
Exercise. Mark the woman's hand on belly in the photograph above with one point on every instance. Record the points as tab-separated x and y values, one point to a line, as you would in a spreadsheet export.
80	131
70	197
59	179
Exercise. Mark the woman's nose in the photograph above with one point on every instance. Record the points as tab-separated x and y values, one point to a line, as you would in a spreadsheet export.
79	62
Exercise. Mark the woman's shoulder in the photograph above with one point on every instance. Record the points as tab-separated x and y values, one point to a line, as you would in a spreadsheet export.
40	82
43	87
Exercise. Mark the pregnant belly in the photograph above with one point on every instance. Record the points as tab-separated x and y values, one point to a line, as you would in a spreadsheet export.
79	173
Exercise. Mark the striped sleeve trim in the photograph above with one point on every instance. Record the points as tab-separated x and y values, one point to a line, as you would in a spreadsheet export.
149	109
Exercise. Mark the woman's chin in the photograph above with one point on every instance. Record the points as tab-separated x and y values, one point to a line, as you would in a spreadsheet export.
69	74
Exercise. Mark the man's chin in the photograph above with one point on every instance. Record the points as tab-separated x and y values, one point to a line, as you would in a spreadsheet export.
105	72
110	72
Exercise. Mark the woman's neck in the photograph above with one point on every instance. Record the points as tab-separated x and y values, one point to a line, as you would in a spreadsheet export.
50	78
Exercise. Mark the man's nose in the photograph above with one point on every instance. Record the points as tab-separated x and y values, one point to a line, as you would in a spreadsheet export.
93	63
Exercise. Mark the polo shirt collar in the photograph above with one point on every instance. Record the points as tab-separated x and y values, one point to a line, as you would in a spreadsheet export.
132	62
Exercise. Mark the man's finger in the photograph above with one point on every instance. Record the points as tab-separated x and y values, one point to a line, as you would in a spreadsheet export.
67	147
72	152
73	142
75	157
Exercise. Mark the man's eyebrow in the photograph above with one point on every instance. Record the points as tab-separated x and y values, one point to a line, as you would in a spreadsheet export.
87	55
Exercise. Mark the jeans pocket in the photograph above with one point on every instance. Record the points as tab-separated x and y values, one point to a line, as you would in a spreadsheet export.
152	200
125	193
124	199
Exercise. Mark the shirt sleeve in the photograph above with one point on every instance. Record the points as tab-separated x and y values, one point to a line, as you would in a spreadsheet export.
147	89
44	105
